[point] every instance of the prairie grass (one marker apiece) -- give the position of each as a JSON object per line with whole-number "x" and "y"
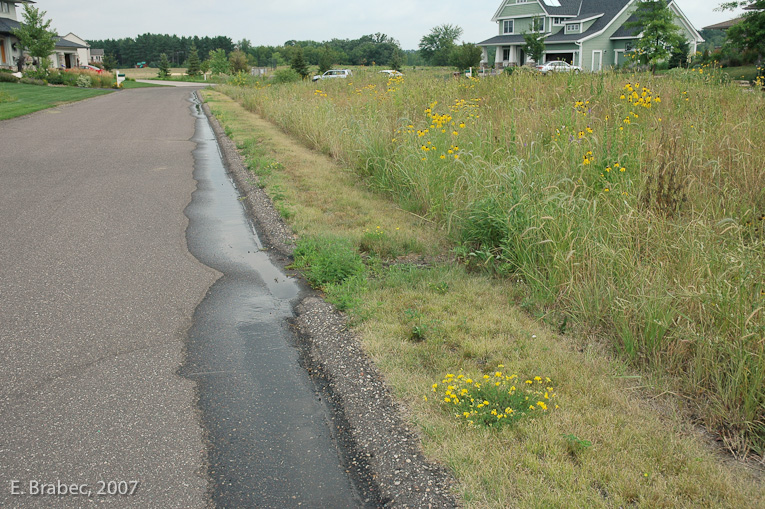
{"x": 630, "y": 206}
{"x": 620, "y": 437}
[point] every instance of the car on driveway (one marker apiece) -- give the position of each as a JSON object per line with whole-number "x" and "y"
{"x": 91, "y": 68}
{"x": 558, "y": 66}
{"x": 391, "y": 73}
{"x": 334, "y": 73}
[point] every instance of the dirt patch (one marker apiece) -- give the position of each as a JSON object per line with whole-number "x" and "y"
{"x": 384, "y": 449}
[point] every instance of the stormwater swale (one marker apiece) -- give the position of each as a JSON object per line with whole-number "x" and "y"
{"x": 270, "y": 437}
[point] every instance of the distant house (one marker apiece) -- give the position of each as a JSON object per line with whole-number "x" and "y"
{"x": 10, "y": 52}
{"x": 70, "y": 52}
{"x": 96, "y": 56}
{"x": 587, "y": 33}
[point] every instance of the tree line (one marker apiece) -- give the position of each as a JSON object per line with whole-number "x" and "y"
{"x": 378, "y": 49}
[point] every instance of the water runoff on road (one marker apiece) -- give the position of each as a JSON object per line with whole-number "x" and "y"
{"x": 269, "y": 436}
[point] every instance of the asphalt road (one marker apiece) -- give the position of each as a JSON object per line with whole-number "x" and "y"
{"x": 97, "y": 293}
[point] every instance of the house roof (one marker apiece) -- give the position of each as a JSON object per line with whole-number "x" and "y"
{"x": 7, "y": 24}
{"x": 608, "y": 9}
{"x": 503, "y": 39}
{"x": 65, "y": 43}
{"x": 96, "y": 52}
{"x": 627, "y": 33}
{"x": 724, "y": 25}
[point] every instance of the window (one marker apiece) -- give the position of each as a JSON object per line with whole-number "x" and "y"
{"x": 558, "y": 22}
{"x": 5, "y": 7}
{"x": 573, "y": 28}
{"x": 505, "y": 54}
{"x": 507, "y": 26}
{"x": 538, "y": 25}
{"x": 628, "y": 46}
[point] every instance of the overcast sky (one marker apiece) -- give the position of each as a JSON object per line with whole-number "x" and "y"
{"x": 273, "y": 22}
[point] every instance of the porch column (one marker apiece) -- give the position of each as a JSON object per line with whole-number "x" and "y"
{"x": 498, "y": 56}
{"x": 484, "y": 56}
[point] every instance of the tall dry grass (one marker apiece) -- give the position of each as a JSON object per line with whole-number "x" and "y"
{"x": 631, "y": 205}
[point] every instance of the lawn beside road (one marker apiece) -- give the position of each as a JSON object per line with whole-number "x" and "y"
{"x": 18, "y": 99}
{"x": 606, "y": 434}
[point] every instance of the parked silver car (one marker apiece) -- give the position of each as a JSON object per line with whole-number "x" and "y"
{"x": 558, "y": 66}
{"x": 333, "y": 73}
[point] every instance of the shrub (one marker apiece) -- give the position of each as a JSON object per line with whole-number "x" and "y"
{"x": 8, "y": 78}
{"x": 84, "y": 81}
{"x": 286, "y": 76}
{"x": 33, "y": 81}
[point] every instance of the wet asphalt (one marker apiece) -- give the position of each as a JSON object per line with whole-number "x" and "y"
{"x": 99, "y": 300}
{"x": 270, "y": 441}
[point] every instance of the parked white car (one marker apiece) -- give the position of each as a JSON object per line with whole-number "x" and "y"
{"x": 334, "y": 73}
{"x": 391, "y": 73}
{"x": 558, "y": 66}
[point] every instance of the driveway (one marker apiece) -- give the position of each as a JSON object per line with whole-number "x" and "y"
{"x": 98, "y": 290}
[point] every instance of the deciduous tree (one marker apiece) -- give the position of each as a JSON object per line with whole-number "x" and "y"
{"x": 660, "y": 36}
{"x": 218, "y": 62}
{"x": 436, "y": 47}
{"x": 35, "y": 36}
{"x": 465, "y": 56}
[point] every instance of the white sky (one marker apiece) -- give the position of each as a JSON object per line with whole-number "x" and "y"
{"x": 276, "y": 21}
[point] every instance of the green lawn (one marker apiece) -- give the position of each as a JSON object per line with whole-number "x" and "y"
{"x": 134, "y": 84}
{"x": 748, "y": 72}
{"x": 17, "y": 99}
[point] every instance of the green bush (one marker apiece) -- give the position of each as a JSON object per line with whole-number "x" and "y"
{"x": 84, "y": 81}
{"x": 8, "y": 78}
{"x": 286, "y": 76}
{"x": 33, "y": 81}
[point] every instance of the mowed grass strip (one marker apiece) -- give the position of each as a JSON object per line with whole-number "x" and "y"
{"x": 18, "y": 99}
{"x": 615, "y": 439}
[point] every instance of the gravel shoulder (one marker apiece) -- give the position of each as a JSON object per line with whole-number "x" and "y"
{"x": 378, "y": 443}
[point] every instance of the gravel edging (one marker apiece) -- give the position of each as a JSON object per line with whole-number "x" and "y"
{"x": 382, "y": 451}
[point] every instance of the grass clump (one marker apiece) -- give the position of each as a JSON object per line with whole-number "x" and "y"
{"x": 327, "y": 260}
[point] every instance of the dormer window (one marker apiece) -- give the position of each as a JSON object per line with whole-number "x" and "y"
{"x": 507, "y": 26}
{"x": 5, "y": 7}
{"x": 573, "y": 28}
{"x": 558, "y": 22}
{"x": 538, "y": 25}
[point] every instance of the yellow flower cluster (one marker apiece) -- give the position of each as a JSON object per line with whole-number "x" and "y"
{"x": 582, "y": 107}
{"x": 319, "y": 93}
{"x": 442, "y": 128}
{"x": 644, "y": 98}
{"x": 494, "y": 399}
{"x": 394, "y": 82}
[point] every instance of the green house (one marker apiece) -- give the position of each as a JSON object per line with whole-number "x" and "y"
{"x": 587, "y": 33}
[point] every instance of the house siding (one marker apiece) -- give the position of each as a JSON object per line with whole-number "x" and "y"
{"x": 525, "y": 9}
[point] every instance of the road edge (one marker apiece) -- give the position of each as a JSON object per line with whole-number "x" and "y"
{"x": 383, "y": 445}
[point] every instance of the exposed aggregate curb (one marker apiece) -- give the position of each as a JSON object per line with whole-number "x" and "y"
{"x": 381, "y": 451}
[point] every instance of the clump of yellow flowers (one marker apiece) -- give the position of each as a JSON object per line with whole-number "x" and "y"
{"x": 495, "y": 399}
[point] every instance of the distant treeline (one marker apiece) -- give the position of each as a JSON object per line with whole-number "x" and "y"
{"x": 367, "y": 50}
